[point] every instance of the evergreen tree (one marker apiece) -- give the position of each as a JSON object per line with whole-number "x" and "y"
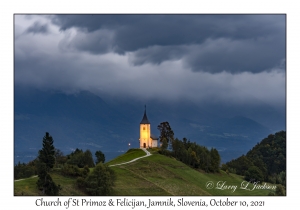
{"x": 46, "y": 161}
{"x": 47, "y": 153}
{"x": 45, "y": 182}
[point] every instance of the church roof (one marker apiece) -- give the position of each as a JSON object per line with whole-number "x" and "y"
{"x": 153, "y": 137}
{"x": 145, "y": 119}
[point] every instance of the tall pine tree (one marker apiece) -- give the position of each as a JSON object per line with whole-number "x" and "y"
{"x": 46, "y": 162}
{"x": 47, "y": 153}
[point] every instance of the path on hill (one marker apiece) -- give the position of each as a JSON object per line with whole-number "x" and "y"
{"x": 147, "y": 154}
{"x": 25, "y": 178}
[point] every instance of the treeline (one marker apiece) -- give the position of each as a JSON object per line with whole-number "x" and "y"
{"x": 192, "y": 154}
{"x": 69, "y": 164}
{"x": 23, "y": 170}
{"x": 266, "y": 161}
{"x": 77, "y": 164}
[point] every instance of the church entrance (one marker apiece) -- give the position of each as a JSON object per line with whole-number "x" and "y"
{"x": 144, "y": 145}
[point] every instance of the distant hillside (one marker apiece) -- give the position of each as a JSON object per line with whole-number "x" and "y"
{"x": 155, "y": 175}
{"x": 266, "y": 161}
{"x": 88, "y": 121}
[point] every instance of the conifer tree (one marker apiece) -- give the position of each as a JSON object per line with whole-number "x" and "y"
{"x": 46, "y": 161}
{"x": 47, "y": 153}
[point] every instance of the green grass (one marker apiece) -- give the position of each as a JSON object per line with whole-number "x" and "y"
{"x": 68, "y": 185}
{"x": 129, "y": 155}
{"x": 155, "y": 175}
{"x": 28, "y": 187}
{"x": 128, "y": 183}
{"x": 161, "y": 175}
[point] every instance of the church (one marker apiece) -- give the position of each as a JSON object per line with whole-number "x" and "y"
{"x": 147, "y": 140}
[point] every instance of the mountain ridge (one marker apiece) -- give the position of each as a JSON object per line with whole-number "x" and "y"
{"x": 86, "y": 119}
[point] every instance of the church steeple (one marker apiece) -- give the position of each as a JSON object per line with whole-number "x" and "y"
{"x": 146, "y": 139}
{"x": 145, "y": 119}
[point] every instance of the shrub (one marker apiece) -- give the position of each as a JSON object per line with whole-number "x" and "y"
{"x": 100, "y": 181}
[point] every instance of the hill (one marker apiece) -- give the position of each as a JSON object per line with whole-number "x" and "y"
{"x": 266, "y": 161}
{"x": 88, "y": 121}
{"x": 155, "y": 175}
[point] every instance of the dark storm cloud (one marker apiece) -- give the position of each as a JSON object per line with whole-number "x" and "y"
{"x": 96, "y": 42}
{"x": 222, "y": 66}
{"x": 157, "y": 54}
{"x": 37, "y": 27}
{"x": 212, "y": 43}
{"x": 236, "y": 55}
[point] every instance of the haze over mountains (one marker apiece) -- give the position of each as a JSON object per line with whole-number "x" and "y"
{"x": 87, "y": 121}
{"x": 219, "y": 80}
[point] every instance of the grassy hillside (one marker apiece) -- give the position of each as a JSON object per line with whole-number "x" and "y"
{"x": 156, "y": 175}
{"x": 160, "y": 175}
{"x": 28, "y": 186}
{"x": 129, "y": 155}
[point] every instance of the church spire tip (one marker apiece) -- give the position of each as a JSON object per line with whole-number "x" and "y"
{"x": 145, "y": 119}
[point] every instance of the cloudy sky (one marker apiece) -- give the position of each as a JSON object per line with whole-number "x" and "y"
{"x": 236, "y": 58}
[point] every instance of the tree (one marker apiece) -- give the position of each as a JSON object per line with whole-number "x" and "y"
{"x": 195, "y": 161}
{"x": 81, "y": 159}
{"x": 88, "y": 159}
{"x": 46, "y": 161}
{"x": 45, "y": 182}
{"x": 164, "y": 144}
{"x": 59, "y": 157}
{"x": 22, "y": 170}
{"x": 166, "y": 133}
{"x": 280, "y": 191}
{"x": 47, "y": 153}
{"x": 215, "y": 159}
{"x": 100, "y": 181}
{"x": 254, "y": 174}
{"x": 100, "y": 157}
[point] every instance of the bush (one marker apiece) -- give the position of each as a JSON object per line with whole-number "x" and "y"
{"x": 80, "y": 183}
{"x": 80, "y": 158}
{"x": 71, "y": 170}
{"x": 100, "y": 181}
{"x": 85, "y": 171}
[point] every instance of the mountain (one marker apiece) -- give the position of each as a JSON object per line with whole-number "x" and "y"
{"x": 88, "y": 121}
